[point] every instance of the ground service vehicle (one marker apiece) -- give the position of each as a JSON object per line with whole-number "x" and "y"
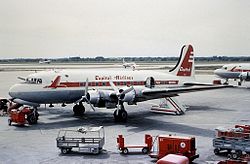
{"x": 239, "y": 131}
{"x": 85, "y": 139}
{"x": 22, "y": 116}
{"x": 169, "y": 144}
{"x": 235, "y": 147}
{"x": 230, "y": 161}
{"x": 144, "y": 148}
{"x": 234, "y": 141}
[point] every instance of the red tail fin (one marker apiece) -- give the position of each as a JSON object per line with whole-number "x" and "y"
{"x": 55, "y": 83}
{"x": 185, "y": 65}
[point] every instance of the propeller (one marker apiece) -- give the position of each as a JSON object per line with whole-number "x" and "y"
{"x": 84, "y": 98}
{"x": 120, "y": 93}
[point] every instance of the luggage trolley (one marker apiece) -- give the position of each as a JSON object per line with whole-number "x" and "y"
{"x": 85, "y": 139}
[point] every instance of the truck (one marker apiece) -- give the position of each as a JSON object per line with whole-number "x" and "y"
{"x": 22, "y": 115}
{"x": 235, "y": 148}
{"x": 85, "y": 139}
{"x": 235, "y": 142}
{"x": 239, "y": 131}
{"x": 170, "y": 144}
{"x": 231, "y": 161}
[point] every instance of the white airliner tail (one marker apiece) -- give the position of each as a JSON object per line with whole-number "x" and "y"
{"x": 185, "y": 65}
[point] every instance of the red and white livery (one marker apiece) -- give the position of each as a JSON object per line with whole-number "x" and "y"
{"x": 107, "y": 88}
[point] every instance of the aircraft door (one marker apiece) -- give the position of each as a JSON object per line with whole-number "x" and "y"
{"x": 150, "y": 82}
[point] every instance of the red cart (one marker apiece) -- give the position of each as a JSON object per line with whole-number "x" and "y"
{"x": 22, "y": 116}
{"x": 145, "y": 148}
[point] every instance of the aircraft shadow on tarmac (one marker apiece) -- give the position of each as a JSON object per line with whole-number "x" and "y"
{"x": 140, "y": 121}
{"x": 206, "y": 108}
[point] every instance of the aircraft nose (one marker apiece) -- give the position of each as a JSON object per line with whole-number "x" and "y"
{"x": 218, "y": 72}
{"x": 13, "y": 91}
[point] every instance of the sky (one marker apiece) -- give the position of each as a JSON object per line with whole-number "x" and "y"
{"x": 117, "y": 28}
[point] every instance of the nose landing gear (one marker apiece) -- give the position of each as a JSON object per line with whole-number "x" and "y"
{"x": 120, "y": 114}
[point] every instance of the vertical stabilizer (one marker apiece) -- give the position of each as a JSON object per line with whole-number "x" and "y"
{"x": 185, "y": 65}
{"x": 55, "y": 83}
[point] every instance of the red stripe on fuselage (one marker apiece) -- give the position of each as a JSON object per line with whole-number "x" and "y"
{"x": 117, "y": 83}
{"x": 240, "y": 70}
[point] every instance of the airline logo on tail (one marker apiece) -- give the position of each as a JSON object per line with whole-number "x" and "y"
{"x": 186, "y": 66}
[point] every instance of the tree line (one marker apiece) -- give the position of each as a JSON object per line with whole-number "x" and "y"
{"x": 102, "y": 59}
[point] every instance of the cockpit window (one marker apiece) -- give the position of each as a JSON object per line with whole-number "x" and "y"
{"x": 34, "y": 80}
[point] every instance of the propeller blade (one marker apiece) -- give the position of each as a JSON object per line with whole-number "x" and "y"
{"x": 128, "y": 90}
{"x": 92, "y": 107}
{"x": 114, "y": 87}
{"x": 86, "y": 86}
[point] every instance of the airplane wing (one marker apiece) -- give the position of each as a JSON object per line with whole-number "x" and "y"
{"x": 175, "y": 91}
{"x": 197, "y": 84}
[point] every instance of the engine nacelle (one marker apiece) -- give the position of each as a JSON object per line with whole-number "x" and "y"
{"x": 93, "y": 97}
{"x": 101, "y": 99}
{"x": 245, "y": 76}
{"x": 129, "y": 97}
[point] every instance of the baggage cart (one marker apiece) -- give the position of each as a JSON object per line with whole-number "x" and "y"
{"x": 144, "y": 148}
{"x": 85, "y": 140}
{"x": 234, "y": 147}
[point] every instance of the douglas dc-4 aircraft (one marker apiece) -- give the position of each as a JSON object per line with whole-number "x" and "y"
{"x": 240, "y": 71}
{"x": 107, "y": 88}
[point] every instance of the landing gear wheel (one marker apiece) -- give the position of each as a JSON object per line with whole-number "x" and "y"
{"x": 120, "y": 115}
{"x": 123, "y": 115}
{"x": 125, "y": 151}
{"x": 116, "y": 116}
{"x": 79, "y": 110}
{"x": 226, "y": 82}
{"x": 239, "y": 83}
{"x": 32, "y": 118}
{"x": 145, "y": 150}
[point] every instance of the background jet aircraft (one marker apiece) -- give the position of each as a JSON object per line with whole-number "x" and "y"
{"x": 128, "y": 64}
{"x": 45, "y": 61}
{"x": 240, "y": 71}
{"x": 108, "y": 89}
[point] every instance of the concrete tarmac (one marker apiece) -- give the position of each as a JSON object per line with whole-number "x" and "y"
{"x": 207, "y": 110}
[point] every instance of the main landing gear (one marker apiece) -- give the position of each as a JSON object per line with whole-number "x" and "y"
{"x": 226, "y": 82}
{"x": 120, "y": 114}
{"x": 79, "y": 109}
